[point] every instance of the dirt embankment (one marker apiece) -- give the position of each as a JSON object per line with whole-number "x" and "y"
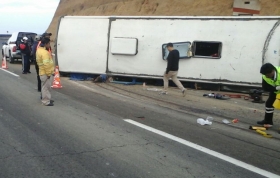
{"x": 153, "y": 7}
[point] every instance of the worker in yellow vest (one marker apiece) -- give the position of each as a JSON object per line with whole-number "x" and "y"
{"x": 270, "y": 83}
{"x": 36, "y": 45}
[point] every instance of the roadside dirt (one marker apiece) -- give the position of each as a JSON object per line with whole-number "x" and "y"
{"x": 152, "y": 8}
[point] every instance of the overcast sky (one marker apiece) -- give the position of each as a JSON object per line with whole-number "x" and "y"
{"x": 26, "y": 15}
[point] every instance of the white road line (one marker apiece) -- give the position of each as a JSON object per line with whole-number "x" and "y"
{"x": 9, "y": 72}
{"x": 206, "y": 150}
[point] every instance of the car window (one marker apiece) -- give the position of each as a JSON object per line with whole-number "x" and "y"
{"x": 29, "y": 35}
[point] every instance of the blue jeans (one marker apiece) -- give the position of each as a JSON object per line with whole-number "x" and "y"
{"x": 25, "y": 63}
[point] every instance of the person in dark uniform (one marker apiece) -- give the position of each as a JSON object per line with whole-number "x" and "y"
{"x": 270, "y": 83}
{"x": 34, "y": 49}
{"x": 26, "y": 54}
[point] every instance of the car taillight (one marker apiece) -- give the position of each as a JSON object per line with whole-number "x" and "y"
{"x": 12, "y": 42}
{"x": 14, "y": 49}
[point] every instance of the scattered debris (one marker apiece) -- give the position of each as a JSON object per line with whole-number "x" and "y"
{"x": 128, "y": 83}
{"x": 153, "y": 89}
{"x": 261, "y": 130}
{"x": 210, "y": 95}
{"x": 226, "y": 121}
{"x": 217, "y": 96}
{"x": 256, "y": 95}
{"x": 264, "y": 134}
{"x": 257, "y": 128}
{"x": 235, "y": 121}
{"x": 141, "y": 117}
{"x": 203, "y": 121}
{"x": 209, "y": 118}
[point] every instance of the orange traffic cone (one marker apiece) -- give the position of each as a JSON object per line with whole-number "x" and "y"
{"x": 4, "y": 63}
{"x": 56, "y": 80}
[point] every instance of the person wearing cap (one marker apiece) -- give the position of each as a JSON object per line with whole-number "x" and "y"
{"x": 34, "y": 49}
{"x": 46, "y": 70}
{"x": 46, "y": 35}
{"x": 26, "y": 53}
{"x": 270, "y": 83}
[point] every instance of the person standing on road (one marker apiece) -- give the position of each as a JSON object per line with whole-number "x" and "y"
{"x": 36, "y": 45}
{"x": 34, "y": 49}
{"x": 270, "y": 83}
{"x": 46, "y": 70}
{"x": 26, "y": 53}
{"x": 172, "y": 69}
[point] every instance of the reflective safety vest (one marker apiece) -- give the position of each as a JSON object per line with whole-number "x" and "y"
{"x": 44, "y": 61}
{"x": 272, "y": 82}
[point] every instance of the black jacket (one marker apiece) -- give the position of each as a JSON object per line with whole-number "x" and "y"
{"x": 173, "y": 61}
{"x": 34, "y": 48}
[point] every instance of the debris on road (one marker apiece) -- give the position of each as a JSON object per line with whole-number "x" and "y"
{"x": 209, "y": 118}
{"x": 226, "y": 121}
{"x": 203, "y": 121}
{"x": 141, "y": 117}
{"x": 128, "y": 83}
{"x": 235, "y": 121}
{"x": 264, "y": 134}
{"x": 217, "y": 96}
{"x": 257, "y": 128}
{"x": 153, "y": 89}
{"x": 256, "y": 95}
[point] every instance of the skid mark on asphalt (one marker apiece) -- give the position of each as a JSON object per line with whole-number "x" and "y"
{"x": 205, "y": 150}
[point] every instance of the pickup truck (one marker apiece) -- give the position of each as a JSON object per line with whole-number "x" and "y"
{"x": 11, "y": 49}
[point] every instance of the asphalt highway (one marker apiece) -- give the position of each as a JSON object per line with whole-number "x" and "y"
{"x": 94, "y": 132}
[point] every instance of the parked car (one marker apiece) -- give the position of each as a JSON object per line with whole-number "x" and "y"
{"x": 11, "y": 48}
